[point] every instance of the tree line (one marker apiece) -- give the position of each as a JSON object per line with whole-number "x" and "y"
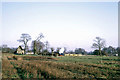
{"x": 42, "y": 48}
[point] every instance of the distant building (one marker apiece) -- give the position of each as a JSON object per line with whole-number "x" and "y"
{"x": 30, "y": 53}
{"x": 72, "y": 54}
{"x": 61, "y": 52}
{"x": 20, "y": 50}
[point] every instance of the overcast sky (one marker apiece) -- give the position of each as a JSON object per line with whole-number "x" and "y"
{"x": 66, "y": 24}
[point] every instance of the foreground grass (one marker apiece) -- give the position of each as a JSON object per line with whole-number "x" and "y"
{"x": 61, "y": 67}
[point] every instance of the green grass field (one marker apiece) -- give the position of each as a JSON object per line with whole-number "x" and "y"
{"x": 32, "y": 66}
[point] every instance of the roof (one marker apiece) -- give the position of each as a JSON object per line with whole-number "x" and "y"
{"x": 20, "y": 48}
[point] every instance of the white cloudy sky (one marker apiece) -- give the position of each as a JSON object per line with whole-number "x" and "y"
{"x": 64, "y": 24}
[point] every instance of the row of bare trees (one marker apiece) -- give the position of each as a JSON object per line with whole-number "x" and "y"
{"x": 39, "y": 47}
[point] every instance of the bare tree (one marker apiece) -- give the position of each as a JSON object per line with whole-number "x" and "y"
{"x": 65, "y": 49}
{"x": 46, "y": 45}
{"x": 99, "y": 43}
{"x": 37, "y": 44}
{"x": 34, "y": 46}
{"x": 52, "y": 50}
{"x": 80, "y": 51}
{"x": 40, "y": 37}
{"x": 25, "y": 38}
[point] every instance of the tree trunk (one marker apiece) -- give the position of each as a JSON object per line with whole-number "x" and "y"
{"x": 25, "y": 48}
{"x": 99, "y": 51}
{"x": 34, "y": 47}
{"x": 52, "y": 53}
